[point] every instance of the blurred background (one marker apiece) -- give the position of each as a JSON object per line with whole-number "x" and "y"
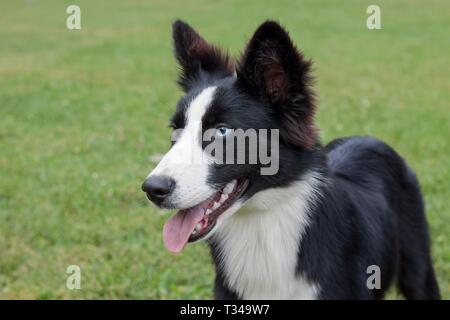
{"x": 83, "y": 112}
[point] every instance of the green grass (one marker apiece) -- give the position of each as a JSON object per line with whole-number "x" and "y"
{"x": 82, "y": 111}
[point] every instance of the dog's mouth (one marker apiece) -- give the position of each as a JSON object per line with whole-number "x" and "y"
{"x": 194, "y": 223}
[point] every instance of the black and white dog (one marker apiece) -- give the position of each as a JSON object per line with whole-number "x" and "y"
{"x": 310, "y": 231}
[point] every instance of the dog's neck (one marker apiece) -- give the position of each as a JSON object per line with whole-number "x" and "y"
{"x": 258, "y": 245}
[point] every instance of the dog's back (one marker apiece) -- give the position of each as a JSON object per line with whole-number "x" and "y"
{"x": 386, "y": 196}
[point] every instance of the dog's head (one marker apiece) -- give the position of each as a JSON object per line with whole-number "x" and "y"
{"x": 269, "y": 88}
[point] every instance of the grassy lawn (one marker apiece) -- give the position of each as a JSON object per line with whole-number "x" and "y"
{"x": 82, "y": 111}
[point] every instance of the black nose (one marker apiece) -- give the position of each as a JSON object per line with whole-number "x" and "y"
{"x": 158, "y": 188}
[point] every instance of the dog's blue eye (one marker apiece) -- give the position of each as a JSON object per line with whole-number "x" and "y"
{"x": 222, "y": 131}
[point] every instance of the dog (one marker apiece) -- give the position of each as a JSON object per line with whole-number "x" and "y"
{"x": 317, "y": 227}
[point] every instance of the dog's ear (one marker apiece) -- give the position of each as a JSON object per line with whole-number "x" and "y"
{"x": 197, "y": 58}
{"x": 271, "y": 67}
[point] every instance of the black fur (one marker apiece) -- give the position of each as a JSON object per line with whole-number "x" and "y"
{"x": 198, "y": 59}
{"x": 370, "y": 211}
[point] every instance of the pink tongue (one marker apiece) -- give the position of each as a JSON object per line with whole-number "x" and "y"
{"x": 178, "y": 229}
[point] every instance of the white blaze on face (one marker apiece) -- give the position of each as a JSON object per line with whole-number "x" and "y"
{"x": 186, "y": 163}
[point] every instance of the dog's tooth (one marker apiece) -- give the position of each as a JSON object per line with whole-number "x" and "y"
{"x": 208, "y": 211}
{"x": 198, "y": 226}
{"x": 223, "y": 197}
{"x": 229, "y": 187}
{"x": 215, "y": 205}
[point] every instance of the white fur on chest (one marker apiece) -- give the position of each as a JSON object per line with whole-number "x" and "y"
{"x": 260, "y": 243}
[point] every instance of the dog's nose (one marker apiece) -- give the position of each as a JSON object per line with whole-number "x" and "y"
{"x": 158, "y": 188}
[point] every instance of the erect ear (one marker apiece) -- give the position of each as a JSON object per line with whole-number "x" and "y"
{"x": 271, "y": 67}
{"x": 197, "y": 57}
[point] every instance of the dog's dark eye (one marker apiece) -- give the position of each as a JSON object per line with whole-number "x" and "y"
{"x": 222, "y": 131}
